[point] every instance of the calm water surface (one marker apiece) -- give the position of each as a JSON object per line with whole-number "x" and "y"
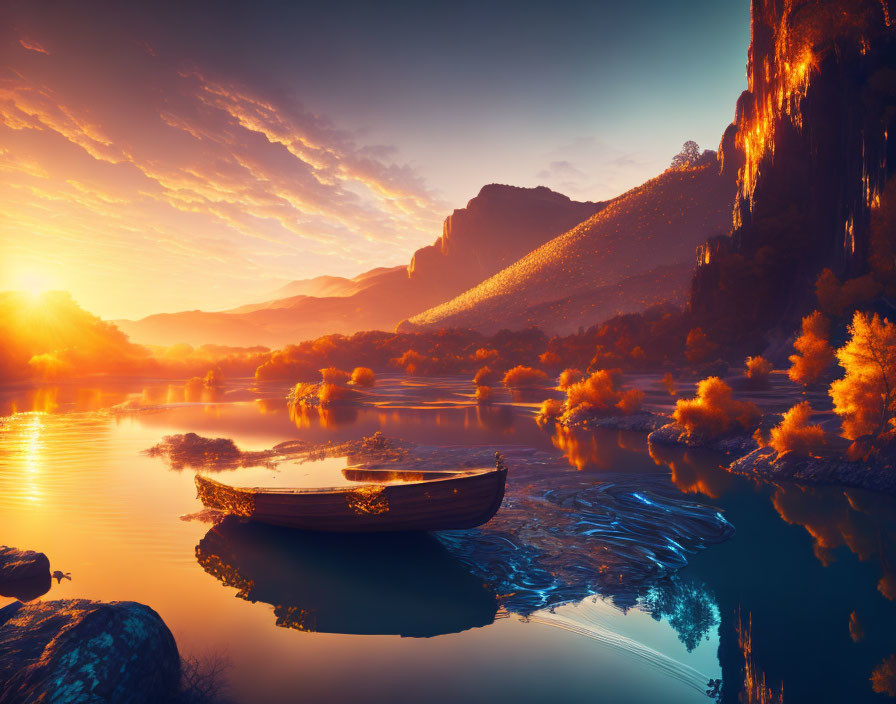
{"x": 798, "y": 600}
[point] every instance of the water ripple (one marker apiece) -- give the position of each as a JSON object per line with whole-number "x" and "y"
{"x": 561, "y": 537}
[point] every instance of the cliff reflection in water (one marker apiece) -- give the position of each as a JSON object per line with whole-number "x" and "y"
{"x": 401, "y": 584}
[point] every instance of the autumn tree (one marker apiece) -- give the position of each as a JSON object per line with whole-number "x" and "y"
{"x": 865, "y": 398}
{"x": 814, "y": 352}
{"x": 688, "y": 156}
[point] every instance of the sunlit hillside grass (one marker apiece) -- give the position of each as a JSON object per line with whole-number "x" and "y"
{"x": 637, "y": 251}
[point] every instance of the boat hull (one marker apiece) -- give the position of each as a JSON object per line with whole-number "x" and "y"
{"x": 454, "y": 503}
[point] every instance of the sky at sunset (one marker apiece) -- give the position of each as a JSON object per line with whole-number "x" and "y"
{"x": 168, "y": 156}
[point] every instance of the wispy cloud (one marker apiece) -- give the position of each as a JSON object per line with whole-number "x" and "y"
{"x": 174, "y": 185}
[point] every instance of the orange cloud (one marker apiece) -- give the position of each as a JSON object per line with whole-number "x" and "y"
{"x": 216, "y": 188}
{"x": 33, "y": 45}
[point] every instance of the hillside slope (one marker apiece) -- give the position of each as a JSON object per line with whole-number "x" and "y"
{"x": 637, "y": 251}
{"x": 497, "y": 227}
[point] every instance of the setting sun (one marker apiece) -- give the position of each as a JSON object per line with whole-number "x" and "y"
{"x": 33, "y": 282}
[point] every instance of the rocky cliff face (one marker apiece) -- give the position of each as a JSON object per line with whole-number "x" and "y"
{"x": 500, "y": 225}
{"x": 811, "y": 149}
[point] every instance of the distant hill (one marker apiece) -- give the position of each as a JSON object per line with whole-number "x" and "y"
{"x": 319, "y": 287}
{"x": 326, "y": 286}
{"x": 637, "y": 251}
{"x": 497, "y": 227}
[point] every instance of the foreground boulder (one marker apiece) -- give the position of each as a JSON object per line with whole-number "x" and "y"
{"x": 86, "y": 651}
{"x": 24, "y": 574}
{"x": 20, "y": 565}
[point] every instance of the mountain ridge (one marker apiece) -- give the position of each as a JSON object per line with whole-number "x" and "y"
{"x": 498, "y": 226}
{"x": 656, "y": 226}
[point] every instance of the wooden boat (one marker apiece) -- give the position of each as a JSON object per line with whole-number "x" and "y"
{"x": 387, "y": 500}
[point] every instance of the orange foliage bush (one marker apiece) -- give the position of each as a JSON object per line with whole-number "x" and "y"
{"x": 332, "y": 375}
{"x": 521, "y": 377}
{"x": 600, "y": 393}
{"x": 814, "y": 352}
{"x": 758, "y": 368}
{"x": 630, "y": 401}
{"x": 836, "y": 298}
{"x": 364, "y": 377}
{"x": 551, "y": 409}
{"x": 714, "y": 411}
{"x": 483, "y": 394}
{"x": 486, "y": 377}
{"x": 326, "y": 393}
{"x": 568, "y": 377}
{"x": 483, "y": 354}
{"x": 865, "y": 398}
{"x": 794, "y": 434}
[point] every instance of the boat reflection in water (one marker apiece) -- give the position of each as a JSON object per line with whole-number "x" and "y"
{"x": 403, "y": 584}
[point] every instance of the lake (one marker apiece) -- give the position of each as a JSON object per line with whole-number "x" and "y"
{"x": 614, "y": 571}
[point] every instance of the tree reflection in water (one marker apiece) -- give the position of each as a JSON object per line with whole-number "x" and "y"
{"x": 688, "y": 606}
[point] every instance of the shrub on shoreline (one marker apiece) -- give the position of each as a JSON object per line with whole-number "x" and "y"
{"x": 715, "y": 412}
{"x": 522, "y": 377}
{"x": 363, "y": 377}
{"x": 795, "y": 434}
{"x": 599, "y": 394}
